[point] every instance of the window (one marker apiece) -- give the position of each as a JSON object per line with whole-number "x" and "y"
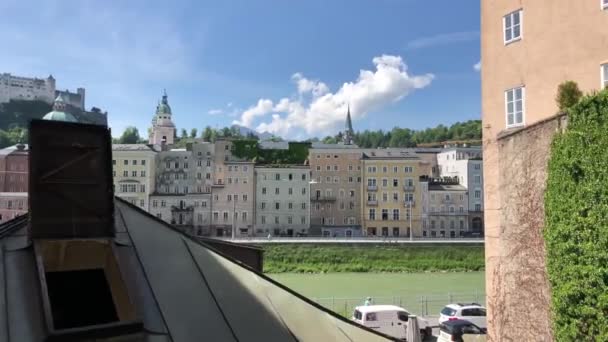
{"x": 477, "y": 193}
{"x": 350, "y": 179}
{"x": 351, "y": 193}
{"x": 289, "y": 220}
{"x": 263, "y": 191}
{"x": 461, "y": 224}
{"x": 263, "y": 205}
{"x": 604, "y": 4}
{"x": 384, "y": 169}
{"x": 133, "y": 173}
{"x": 336, "y": 168}
{"x": 154, "y": 203}
{"x": 477, "y": 179}
{"x": 384, "y": 182}
{"x": 125, "y": 173}
{"x": 336, "y": 179}
{"x": 142, "y": 173}
{"x": 395, "y": 197}
{"x": 303, "y": 206}
{"x": 244, "y": 198}
{"x": 126, "y": 162}
{"x": 263, "y": 219}
{"x": 229, "y": 198}
{"x": 461, "y": 209}
{"x": 605, "y": 66}
{"x": 290, "y": 191}
{"x": 350, "y": 167}
{"x": 384, "y": 197}
{"x": 277, "y": 206}
{"x": 408, "y": 169}
{"x": 396, "y": 214}
{"x": 395, "y": 169}
{"x": 372, "y": 214}
{"x": 303, "y": 191}
{"x": 290, "y": 206}
{"x": 113, "y": 174}
{"x": 384, "y": 214}
{"x": 477, "y": 167}
{"x": 395, "y": 183}
{"x": 225, "y": 216}
{"x": 302, "y": 219}
{"x": 244, "y": 216}
{"x": 512, "y": 26}
{"x": 303, "y": 176}
{"x": 477, "y": 207}
{"x": 276, "y": 220}
{"x": 113, "y": 161}
{"x": 276, "y": 191}
{"x": 277, "y": 176}
{"x": 514, "y": 101}
{"x": 328, "y": 167}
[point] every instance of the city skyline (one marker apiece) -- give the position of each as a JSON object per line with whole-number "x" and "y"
{"x": 260, "y": 65}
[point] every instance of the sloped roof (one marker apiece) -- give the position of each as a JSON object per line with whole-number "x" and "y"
{"x": 183, "y": 290}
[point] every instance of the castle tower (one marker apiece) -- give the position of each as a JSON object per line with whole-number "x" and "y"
{"x": 349, "y": 134}
{"x": 163, "y": 129}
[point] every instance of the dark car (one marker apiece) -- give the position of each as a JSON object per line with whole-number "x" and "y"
{"x": 461, "y": 330}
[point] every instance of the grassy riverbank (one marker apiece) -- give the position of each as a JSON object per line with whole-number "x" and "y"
{"x": 307, "y": 258}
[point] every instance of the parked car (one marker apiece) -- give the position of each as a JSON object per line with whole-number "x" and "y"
{"x": 389, "y": 319}
{"x": 472, "y": 312}
{"x": 461, "y": 330}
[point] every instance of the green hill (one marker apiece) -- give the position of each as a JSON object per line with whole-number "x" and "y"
{"x": 15, "y": 116}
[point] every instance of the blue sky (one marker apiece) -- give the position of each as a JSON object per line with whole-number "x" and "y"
{"x": 290, "y": 67}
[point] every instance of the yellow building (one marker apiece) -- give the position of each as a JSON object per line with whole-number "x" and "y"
{"x": 391, "y": 199}
{"x": 133, "y": 169}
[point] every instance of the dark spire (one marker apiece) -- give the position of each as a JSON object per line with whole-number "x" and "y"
{"x": 165, "y": 96}
{"x": 348, "y": 132}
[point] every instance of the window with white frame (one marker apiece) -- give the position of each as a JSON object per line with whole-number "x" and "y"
{"x": 605, "y": 66}
{"x": 514, "y": 106}
{"x": 512, "y": 26}
{"x": 604, "y": 4}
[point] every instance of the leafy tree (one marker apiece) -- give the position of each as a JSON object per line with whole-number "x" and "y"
{"x": 568, "y": 95}
{"x": 226, "y": 132}
{"x": 193, "y": 133}
{"x": 184, "y": 134}
{"x": 130, "y": 136}
{"x": 209, "y": 134}
{"x": 576, "y": 225}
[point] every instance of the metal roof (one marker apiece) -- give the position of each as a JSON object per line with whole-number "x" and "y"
{"x": 183, "y": 290}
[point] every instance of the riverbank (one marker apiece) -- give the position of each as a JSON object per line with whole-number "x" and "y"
{"x": 307, "y": 258}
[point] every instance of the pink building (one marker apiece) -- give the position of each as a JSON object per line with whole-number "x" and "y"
{"x": 12, "y": 204}
{"x": 13, "y": 181}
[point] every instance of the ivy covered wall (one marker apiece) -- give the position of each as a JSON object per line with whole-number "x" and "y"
{"x": 576, "y": 223}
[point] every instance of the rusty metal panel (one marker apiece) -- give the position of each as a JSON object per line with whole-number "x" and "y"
{"x": 70, "y": 192}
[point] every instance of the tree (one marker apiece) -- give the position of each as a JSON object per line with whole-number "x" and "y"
{"x": 209, "y": 134}
{"x": 129, "y": 136}
{"x": 193, "y": 133}
{"x": 184, "y": 134}
{"x": 226, "y": 132}
{"x": 568, "y": 95}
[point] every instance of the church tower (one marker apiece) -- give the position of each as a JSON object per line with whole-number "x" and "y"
{"x": 349, "y": 135}
{"x": 163, "y": 129}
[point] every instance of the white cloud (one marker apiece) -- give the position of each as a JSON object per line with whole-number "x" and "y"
{"x": 443, "y": 39}
{"x": 325, "y": 111}
{"x": 477, "y": 66}
{"x": 215, "y": 112}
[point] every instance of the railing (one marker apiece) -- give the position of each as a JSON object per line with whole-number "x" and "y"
{"x": 218, "y": 184}
{"x": 409, "y": 203}
{"x": 322, "y": 198}
{"x": 409, "y": 187}
{"x": 422, "y": 305}
{"x": 372, "y": 203}
{"x": 372, "y": 188}
{"x": 184, "y": 208}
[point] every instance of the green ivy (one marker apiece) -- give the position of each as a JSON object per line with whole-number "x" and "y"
{"x": 250, "y": 150}
{"x": 576, "y": 227}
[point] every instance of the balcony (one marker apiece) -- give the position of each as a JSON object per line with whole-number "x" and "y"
{"x": 372, "y": 203}
{"x": 372, "y": 188}
{"x": 218, "y": 184}
{"x": 411, "y": 203}
{"x": 322, "y": 198}
{"x": 409, "y": 188}
{"x": 185, "y": 208}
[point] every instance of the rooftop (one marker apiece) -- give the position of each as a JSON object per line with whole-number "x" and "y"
{"x": 446, "y": 187}
{"x": 132, "y": 147}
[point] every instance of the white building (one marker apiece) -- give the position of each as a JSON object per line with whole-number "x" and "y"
{"x": 133, "y": 169}
{"x": 466, "y": 164}
{"x": 26, "y": 88}
{"x": 282, "y": 200}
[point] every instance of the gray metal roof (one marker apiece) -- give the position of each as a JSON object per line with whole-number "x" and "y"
{"x": 182, "y": 289}
{"x": 132, "y": 147}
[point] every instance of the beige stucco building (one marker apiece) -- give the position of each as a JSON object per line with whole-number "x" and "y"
{"x": 447, "y": 209}
{"x": 528, "y": 48}
{"x": 282, "y": 200}
{"x": 335, "y": 190}
{"x": 134, "y": 170}
{"x": 390, "y": 196}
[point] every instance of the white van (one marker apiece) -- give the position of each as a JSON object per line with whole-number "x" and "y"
{"x": 388, "y": 319}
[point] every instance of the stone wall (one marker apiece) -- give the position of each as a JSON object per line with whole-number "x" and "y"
{"x": 519, "y": 294}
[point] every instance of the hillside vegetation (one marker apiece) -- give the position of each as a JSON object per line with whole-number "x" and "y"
{"x": 309, "y": 258}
